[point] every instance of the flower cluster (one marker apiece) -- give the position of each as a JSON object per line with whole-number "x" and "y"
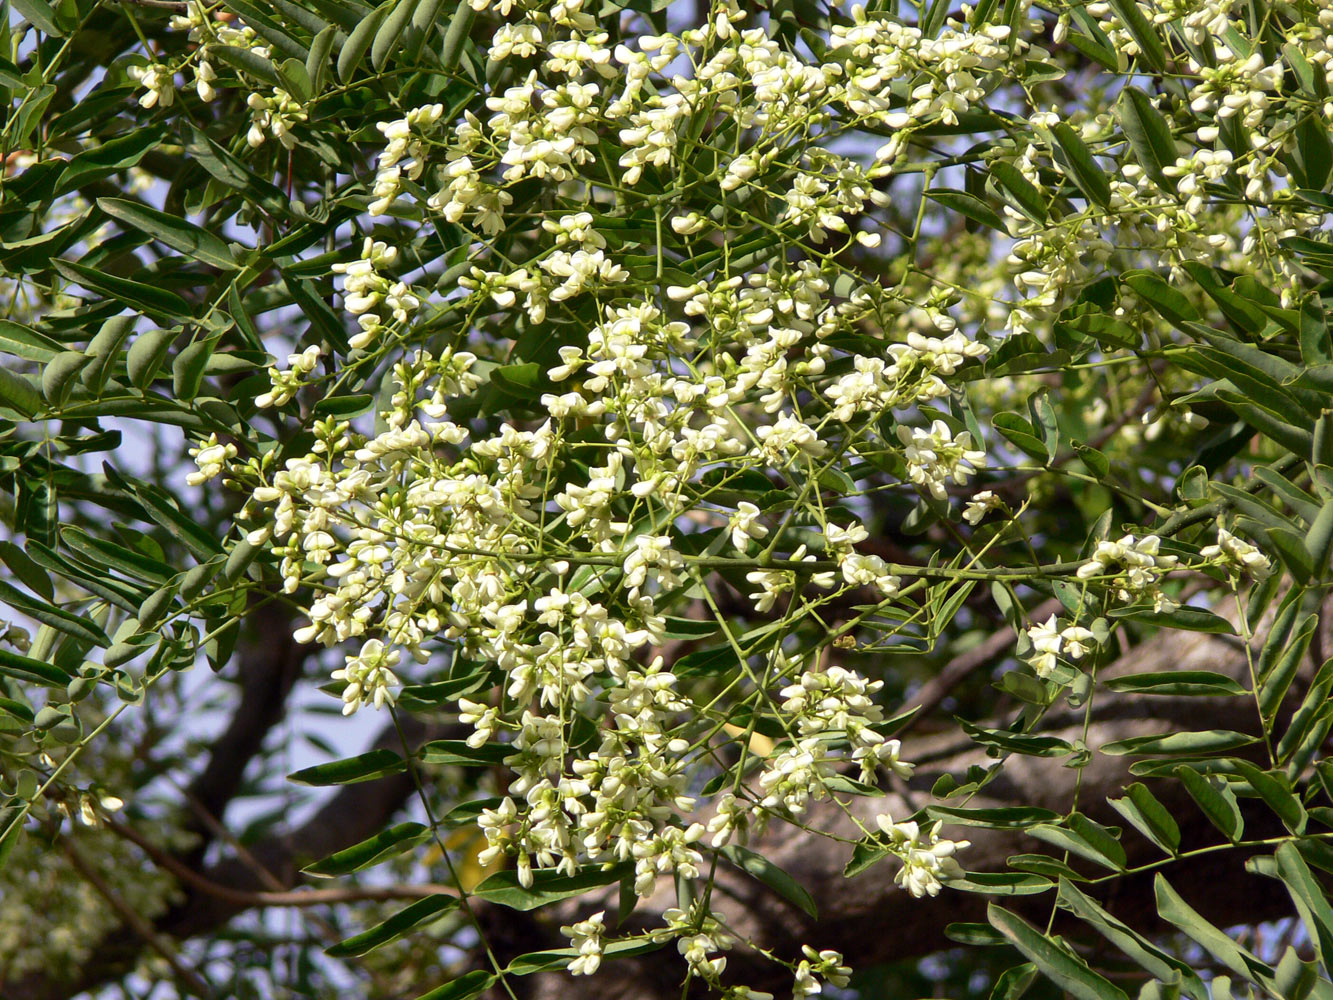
{"x": 927, "y": 860}
{"x": 1051, "y": 640}
{"x": 1135, "y": 566}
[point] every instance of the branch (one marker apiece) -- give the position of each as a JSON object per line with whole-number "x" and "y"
{"x": 872, "y": 921}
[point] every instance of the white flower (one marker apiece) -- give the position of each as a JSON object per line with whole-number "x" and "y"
{"x": 981, "y": 504}
{"x": 210, "y": 456}
{"x": 158, "y": 83}
{"x": 586, "y": 936}
{"x": 1236, "y": 555}
{"x": 928, "y": 861}
{"x": 743, "y": 525}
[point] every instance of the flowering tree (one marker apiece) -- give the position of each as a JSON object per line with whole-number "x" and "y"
{"x": 775, "y": 473}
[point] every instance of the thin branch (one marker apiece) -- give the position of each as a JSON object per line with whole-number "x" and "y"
{"x": 296, "y": 898}
{"x": 176, "y": 5}
{"x": 194, "y": 983}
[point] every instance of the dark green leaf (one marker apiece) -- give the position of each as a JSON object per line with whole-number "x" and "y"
{"x": 23, "y": 342}
{"x": 372, "y": 764}
{"x": 172, "y": 230}
{"x": 1023, "y": 193}
{"x": 1000, "y": 818}
{"x": 1185, "y": 617}
{"x": 136, "y": 294}
{"x": 403, "y": 922}
{"x": 1147, "y": 815}
{"x": 384, "y": 845}
{"x": 1178, "y": 682}
{"x": 1066, "y": 970}
{"x": 1148, "y": 134}
{"x": 469, "y": 984}
{"x": 354, "y": 49}
{"x": 759, "y": 867}
{"x": 1080, "y": 165}
{"x": 1143, "y": 32}
{"x": 1197, "y": 744}
{"x": 548, "y": 885}
{"x": 1215, "y": 798}
{"x": 968, "y": 206}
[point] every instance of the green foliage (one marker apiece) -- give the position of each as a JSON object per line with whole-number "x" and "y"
{"x": 641, "y": 428}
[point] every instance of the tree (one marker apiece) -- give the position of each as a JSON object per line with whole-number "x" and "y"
{"x": 798, "y": 490}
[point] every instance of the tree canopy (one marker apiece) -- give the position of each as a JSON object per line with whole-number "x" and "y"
{"x": 610, "y": 498}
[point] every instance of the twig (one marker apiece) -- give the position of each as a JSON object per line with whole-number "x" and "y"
{"x": 960, "y": 667}
{"x": 177, "y": 5}
{"x": 295, "y": 898}
{"x": 194, "y": 982}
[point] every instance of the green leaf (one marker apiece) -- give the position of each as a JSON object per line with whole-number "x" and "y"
{"x": 363, "y": 767}
{"x": 145, "y": 298}
{"x": 295, "y": 80}
{"x": 172, "y": 230}
{"x": 1185, "y": 617}
{"x": 26, "y": 571}
{"x": 343, "y": 406}
{"x": 1178, "y": 682}
{"x": 974, "y": 935}
{"x": 1023, "y": 193}
{"x": 1197, "y": 744}
{"x": 1002, "y": 883}
{"x": 1148, "y": 134}
{"x": 387, "y": 35}
{"x": 1276, "y": 793}
{"x": 26, "y": 668}
{"x": 112, "y": 156}
{"x": 1176, "y": 911}
{"x": 1169, "y": 302}
{"x": 718, "y": 660}
{"x": 18, "y": 394}
{"x": 1066, "y": 970}
{"x": 1020, "y": 743}
{"x": 317, "y": 61}
{"x": 354, "y": 49}
{"x": 759, "y": 867}
{"x": 469, "y": 984}
{"x": 1136, "y": 947}
{"x": 403, "y": 922}
{"x": 1080, "y": 166}
{"x": 39, "y": 14}
{"x": 386, "y": 844}
{"x": 247, "y": 62}
{"x": 1147, "y": 815}
{"x": 457, "y": 752}
{"x": 525, "y": 381}
{"x": 1215, "y": 798}
{"x": 1310, "y": 897}
{"x": 559, "y": 958}
{"x": 49, "y": 614}
{"x": 1076, "y": 843}
{"x": 1143, "y": 33}
{"x": 548, "y": 885}
{"x": 103, "y": 350}
{"x": 456, "y": 38}
{"x": 59, "y": 374}
{"x": 968, "y": 206}
{"x": 1000, "y": 818}
{"x": 146, "y": 355}
{"x": 187, "y": 370}
{"x": 23, "y": 342}
{"x": 1021, "y": 434}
